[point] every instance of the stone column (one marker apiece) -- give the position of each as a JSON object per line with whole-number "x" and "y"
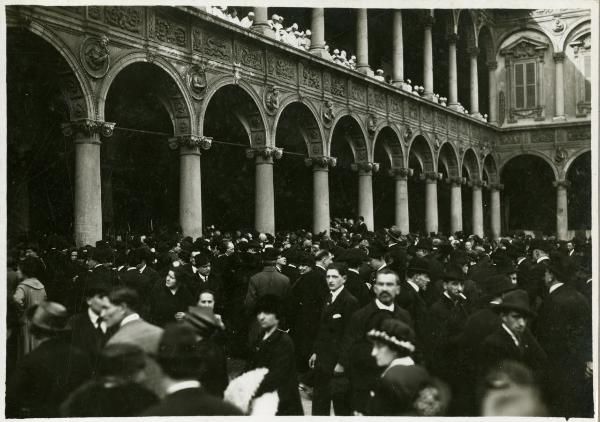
{"x": 559, "y": 90}
{"x": 362, "y": 42}
{"x": 321, "y": 216}
{"x": 452, "y": 73}
{"x": 264, "y": 194}
{"x": 107, "y": 161}
{"x": 260, "y": 24}
{"x": 493, "y": 114}
{"x": 456, "y": 223}
{"x": 401, "y": 201}
{"x": 473, "y": 53}
{"x": 495, "y": 209}
{"x": 431, "y": 207}
{"x": 477, "y": 207}
{"x": 562, "y": 216}
{"x": 365, "y": 191}
{"x": 86, "y": 134}
{"x": 428, "y": 55}
{"x": 398, "y": 50}
{"x": 317, "y": 38}
{"x": 190, "y": 181}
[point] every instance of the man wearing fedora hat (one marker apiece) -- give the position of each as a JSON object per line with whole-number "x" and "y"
{"x": 564, "y": 329}
{"x": 411, "y": 292}
{"x": 45, "y": 377}
{"x": 267, "y": 282}
{"x": 513, "y": 340}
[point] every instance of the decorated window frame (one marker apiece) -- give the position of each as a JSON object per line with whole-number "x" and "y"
{"x": 582, "y": 58}
{"x": 523, "y": 56}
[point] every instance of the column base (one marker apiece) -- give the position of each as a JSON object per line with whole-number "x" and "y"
{"x": 476, "y": 115}
{"x": 559, "y": 118}
{"x": 428, "y": 95}
{"x": 398, "y": 83}
{"x": 320, "y": 52}
{"x": 263, "y": 29}
{"x": 454, "y": 106}
{"x": 365, "y": 70}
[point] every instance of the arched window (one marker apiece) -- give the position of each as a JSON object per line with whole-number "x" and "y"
{"x": 582, "y": 58}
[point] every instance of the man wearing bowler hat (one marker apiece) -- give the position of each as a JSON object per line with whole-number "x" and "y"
{"x": 46, "y": 376}
{"x": 411, "y": 292}
{"x": 513, "y": 340}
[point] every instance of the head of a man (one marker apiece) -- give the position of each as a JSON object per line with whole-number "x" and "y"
{"x": 323, "y": 258}
{"x": 207, "y": 299}
{"x": 419, "y": 277}
{"x": 120, "y": 303}
{"x": 386, "y": 286}
{"x": 454, "y": 288}
{"x": 336, "y": 275}
{"x": 515, "y": 321}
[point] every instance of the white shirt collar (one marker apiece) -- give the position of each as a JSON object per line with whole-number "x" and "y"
{"x": 520, "y": 260}
{"x": 413, "y": 285}
{"x": 384, "y": 307}
{"x": 94, "y": 318}
{"x": 336, "y": 293}
{"x": 514, "y": 338}
{"x": 554, "y": 287}
{"x": 183, "y": 385}
{"x": 143, "y": 268}
{"x": 382, "y": 267}
{"x": 129, "y": 318}
{"x": 405, "y": 361}
{"x": 320, "y": 266}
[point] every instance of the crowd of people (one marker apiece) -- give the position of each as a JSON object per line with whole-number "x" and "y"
{"x": 367, "y": 323}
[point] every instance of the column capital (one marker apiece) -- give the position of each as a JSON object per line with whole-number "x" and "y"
{"x": 492, "y": 64}
{"x": 452, "y": 38}
{"x": 321, "y": 162}
{"x": 496, "y": 186}
{"x": 365, "y": 167}
{"x": 431, "y": 176}
{"x": 558, "y": 57}
{"x": 193, "y": 142}
{"x": 265, "y": 153}
{"x": 401, "y": 172}
{"x": 427, "y": 19}
{"x": 86, "y": 128}
{"x": 477, "y": 183}
{"x": 564, "y": 184}
{"x": 456, "y": 181}
{"x": 474, "y": 51}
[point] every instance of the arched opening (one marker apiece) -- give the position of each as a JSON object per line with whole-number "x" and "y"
{"x": 486, "y": 55}
{"x": 464, "y": 44}
{"x": 471, "y": 170}
{"x": 579, "y": 193}
{"x": 412, "y": 29}
{"x": 448, "y": 166}
{"x": 442, "y": 28}
{"x": 292, "y": 178}
{"x": 347, "y": 140}
{"x": 140, "y": 173}
{"x": 40, "y": 160}
{"x": 228, "y": 177}
{"x": 388, "y": 154}
{"x": 529, "y": 201}
{"x": 420, "y": 160}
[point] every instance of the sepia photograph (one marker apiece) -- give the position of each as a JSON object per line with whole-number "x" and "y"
{"x": 364, "y": 209}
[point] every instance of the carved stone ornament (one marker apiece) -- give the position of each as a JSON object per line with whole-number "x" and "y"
{"x": 437, "y": 144}
{"x": 558, "y": 26}
{"x": 401, "y": 172}
{"x": 87, "y": 128}
{"x": 327, "y": 112}
{"x": 196, "y": 79}
{"x": 190, "y": 141}
{"x": 272, "y": 98}
{"x": 456, "y": 181}
{"x": 407, "y": 134}
{"x": 265, "y": 153}
{"x": 321, "y": 162}
{"x": 365, "y": 167}
{"x": 431, "y": 176}
{"x": 237, "y": 72}
{"x": 372, "y": 123}
{"x": 560, "y": 155}
{"x": 95, "y": 56}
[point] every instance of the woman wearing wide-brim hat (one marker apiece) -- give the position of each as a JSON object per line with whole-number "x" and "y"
{"x": 398, "y": 387}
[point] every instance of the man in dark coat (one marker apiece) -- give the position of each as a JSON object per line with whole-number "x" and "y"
{"x": 268, "y": 282}
{"x": 334, "y": 319}
{"x": 181, "y": 362}
{"x": 411, "y": 293}
{"x": 564, "y": 330}
{"x": 513, "y": 340}
{"x": 534, "y": 284}
{"x": 354, "y": 258}
{"x": 145, "y": 258}
{"x": 47, "y": 375}
{"x": 355, "y": 355}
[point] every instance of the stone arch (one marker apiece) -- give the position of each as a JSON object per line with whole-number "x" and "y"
{"x": 541, "y": 155}
{"x": 390, "y": 138}
{"x": 420, "y": 146}
{"x": 171, "y": 90}
{"x": 448, "y": 158}
{"x": 486, "y": 34}
{"x": 249, "y": 112}
{"x": 567, "y": 166}
{"x": 307, "y": 122}
{"x": 471, "y": 163}
{"x": 74, "y": 83}
{"x": 491, "y": 169}
{"x": 471, "y": 29}
{"x": 354, "y": 134}
{"x": 579, "y": 28}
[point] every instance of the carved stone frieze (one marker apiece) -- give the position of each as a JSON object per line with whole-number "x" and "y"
{"x": 170, "y": 32}
{"x": 125, "y": 17}
{"x": 95, "y": 56}
{"x": 281, "y": 67}
{"x": 358, "y": 93}
{"x": 440, "y": 120}
{"x": 395, "y": 105}
{"x": 310, "y": 76}
{"x": 212, "y": 44}
{"x": 95, "y": 12}
{"x": 376, "y": 99}
{"x": 579, "y": 134}
{"x": 338, "y": 86}
{"x": 543, "y": 136}
{"x": 426, "y": 115}
{"x": 250, "y": 55}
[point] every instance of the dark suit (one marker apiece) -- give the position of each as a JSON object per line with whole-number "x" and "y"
{"x": 334, "y": 320}
{"x": 268, "y": 282}
{"x": 86, "y": 337}
{"x": 150, "y": 276}
{"x": 142, "y": 285}
{"x": 163, "y": 305}
{"x": 192, "y": 402}
{"x": 358, "y": 288}
{"x": 500, "y": 346}
{"x": 564, "y": 331}
{"x": 355, "y": 354}
{"x": 413, "y": 302}
{"x": 44, "y": 378}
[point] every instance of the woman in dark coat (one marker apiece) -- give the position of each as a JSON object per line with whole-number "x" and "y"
{"x": 169, "y": 300}
{"x": 274, "y": 350}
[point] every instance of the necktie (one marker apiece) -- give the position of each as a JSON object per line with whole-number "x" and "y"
{"x": 330, "y": 300}
{"x": 99, "y": 327}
